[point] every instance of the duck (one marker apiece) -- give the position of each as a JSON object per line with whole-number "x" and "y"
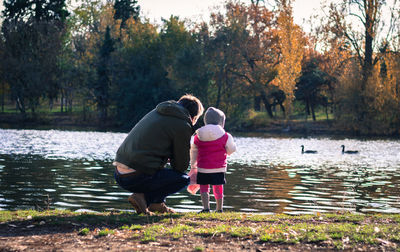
{"x": 307, "y": 151}
{"x": 349, "y": 151}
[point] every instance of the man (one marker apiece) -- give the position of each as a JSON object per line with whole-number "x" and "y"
{"x": 161, "y": 136}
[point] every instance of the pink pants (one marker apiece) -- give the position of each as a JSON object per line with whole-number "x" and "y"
{"x": 217, "y": 189}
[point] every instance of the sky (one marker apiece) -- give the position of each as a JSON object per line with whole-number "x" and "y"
{"x": 200, "y": 9}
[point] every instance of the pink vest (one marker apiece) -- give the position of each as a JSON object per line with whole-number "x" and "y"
{"x": 211, "y": 154}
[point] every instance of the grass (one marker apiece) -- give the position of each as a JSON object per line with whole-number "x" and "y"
{"x": 44, "y": 108}
{"x": 84, "y": 231}
{"x": 335, "y": 230}
{"x": 105, "y": 232}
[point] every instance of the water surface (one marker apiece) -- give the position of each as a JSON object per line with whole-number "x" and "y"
{"x": 72, "y": 170}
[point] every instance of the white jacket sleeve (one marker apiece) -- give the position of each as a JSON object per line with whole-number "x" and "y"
{"x": 230, "y": 145}
{"x": 193, "y": 156}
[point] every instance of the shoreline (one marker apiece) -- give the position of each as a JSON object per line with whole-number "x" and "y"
{"x": 53, "y": 230}
{"x": 277, "y": 128}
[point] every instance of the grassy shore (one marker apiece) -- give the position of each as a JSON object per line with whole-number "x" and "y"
{"x": 261, "y": 125}
{"x": 229, "y": 231}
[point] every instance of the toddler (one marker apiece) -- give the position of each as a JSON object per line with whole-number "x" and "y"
{"x": 208, "y": 154}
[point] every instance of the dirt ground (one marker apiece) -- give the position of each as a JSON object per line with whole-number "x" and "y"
{"x": 38, "y": 235}
{"x": 123, "y": 241}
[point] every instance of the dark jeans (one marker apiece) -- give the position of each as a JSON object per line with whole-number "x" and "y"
{"x": 155, "y": 187}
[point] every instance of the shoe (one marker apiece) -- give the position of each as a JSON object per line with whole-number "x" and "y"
{"x": 205, "y": 211}
{"x": 134, "y": 204}
{"x": 138, "y": 202}
{"x": 219, "y": 211}
{"x": 160, "y": 207}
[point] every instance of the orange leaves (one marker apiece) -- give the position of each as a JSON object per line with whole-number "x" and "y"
{"x": 272, "y": 230}
{"x": 291, "y": 43}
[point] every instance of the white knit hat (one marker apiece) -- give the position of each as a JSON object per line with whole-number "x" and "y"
{"x": 214, "y": 116}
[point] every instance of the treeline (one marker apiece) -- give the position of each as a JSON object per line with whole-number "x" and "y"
{"x": 104, "y": 56}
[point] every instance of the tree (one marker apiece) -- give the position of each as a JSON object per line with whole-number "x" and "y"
{"x": 309, "y": 86}
{"x": 191, "y": 68}
{"x": 248, "y": 49}
{"x": 103, "y": 84}
{"x": 2, "y": 80}
{"x": 344, "y": 20}
{"x": 291, "y": 44}
{"x": 93, "y": 42}
{"x": 174, "y": 38}
{"x": 140, "y": 79}
{"x": 32, "y": 32}
{"x": 125, "y": 9}
{"x": 35, "y": 11}
{"x": 30, "y": 62}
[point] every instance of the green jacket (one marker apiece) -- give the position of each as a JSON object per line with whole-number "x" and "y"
{"x": 164, "y": 133}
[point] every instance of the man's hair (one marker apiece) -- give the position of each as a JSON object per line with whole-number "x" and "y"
{"x": 193, "y": 105}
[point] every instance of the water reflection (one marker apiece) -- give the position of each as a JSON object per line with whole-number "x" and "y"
{"x": 73, "y": 170}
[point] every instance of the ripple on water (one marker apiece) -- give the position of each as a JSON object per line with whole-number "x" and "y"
{"x": 264, "y": 175}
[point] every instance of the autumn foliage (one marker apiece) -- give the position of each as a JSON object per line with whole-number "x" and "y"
{"x": 110, "y": 63}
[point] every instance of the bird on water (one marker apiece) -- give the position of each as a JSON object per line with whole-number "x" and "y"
{"x": 307, "y": 151}
{"x": 349, "y": 151}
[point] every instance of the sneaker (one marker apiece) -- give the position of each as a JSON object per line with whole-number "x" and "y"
{"x": 219, "y": 211}
{"x": 160, "y": 207}
{"x": 205, "y": 211}
{"x": 138, "y": 202}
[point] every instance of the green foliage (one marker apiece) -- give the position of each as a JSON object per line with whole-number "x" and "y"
{"x": 39, "y": 10}
{"x": 103, "y": 58}
{"x": 32, "y": 40}
{"x": 102, "y": 86}
{"x": 257, "y": 120}
{"x": 310, "y": 86}
{"x": 179, "y": 230}
{"x": 132, "y": 227}
{"x": 105, "y": 232}
{"x": 150, "y": 234}
{"x": 125, "y": 9}
{"x": 84, "y": 231}
{"x": 337, "y": 230}
{"x": 241, "y": 231}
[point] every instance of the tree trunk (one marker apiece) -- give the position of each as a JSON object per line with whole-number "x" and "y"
{"x": 257, "y": 101}
{"x": 282, "y": 108}
{"x": 2, "y": 96}
{"x": 62, "y": 101}
{"x": 307, "y": 107}
{"x": 51, "y": 104}
{"x": 84, "y": 109}
{"x": 326, "y": 112}
{"x": 267, "y": 105}
{"x": 313, "y": 112}
{"x": 370, "y": 8}
{"x": 69, "y": 102}
{"x": 21, "y": 106}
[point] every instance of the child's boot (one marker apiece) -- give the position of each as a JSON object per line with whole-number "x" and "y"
{"x": 220, "y": 205}
{"x": 205, "y": 199}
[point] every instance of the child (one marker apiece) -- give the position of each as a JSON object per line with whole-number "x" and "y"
{"x": 208, "y": 154}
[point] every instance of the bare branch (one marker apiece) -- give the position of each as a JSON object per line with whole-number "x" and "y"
{"x": 359, "y": 17}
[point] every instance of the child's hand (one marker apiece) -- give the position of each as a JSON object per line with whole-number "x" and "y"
{"x": 193, "y": 176}
{"x": 193, "y": 186}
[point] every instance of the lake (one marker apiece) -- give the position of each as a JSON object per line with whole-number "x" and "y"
{"x": 72, "y": 170}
